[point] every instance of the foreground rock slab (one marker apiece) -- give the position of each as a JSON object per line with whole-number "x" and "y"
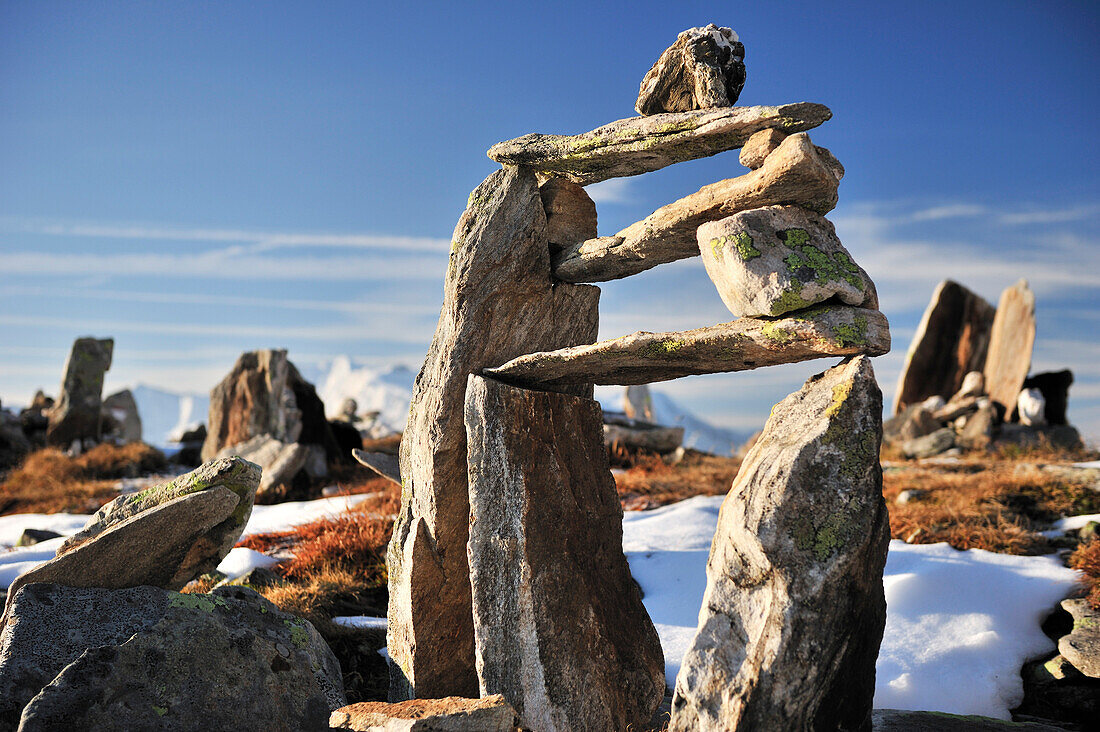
{"x": 559, "y": 624}
{"x": 1081, "y": 647}
{"x": 899, "y": 720}
{"x": 739, "y": 345}
{"x": 794, "y": 608}
{"x": 499, "y": 302}
{"x": 642, "y": 144}
{"x": 76, "y": 414}
{"x": 382, "y": 463}
{"x": 703, "y": 69}
{"x": 452, "y": 714}
{"x": 1011, "y": 339}
{"x": 144, "y": 658}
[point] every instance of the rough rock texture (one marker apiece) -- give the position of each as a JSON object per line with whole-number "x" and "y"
{"x": 145, "y": 658}
{"x": 929, "y": 445}
{"x": 1081, "y": 647}
{"x": 146, "y": 549}
{"x": 1054, "y": 386}
{"x": 75, "y": 416}
{"x": 740, "y": 345}
{"x": 776, "y": 259}
{"x": 638, "y": 403}
{"x": 914, "y": 422}
{"x": 120, "y": 421}
{"x": 898, "y": 720}
{"x": 794, "y": 608}
{"x": 703, "y": 69}
{"x": 760, "y": 146}
{"x": 499, "y": 302}
{"x": 950, "y": 342}
{"x": 796, "y": 174}
{"x": 452, "y": 714}
{"x": 382, "y": 463}
{"x": 570, "y": 213}
{"x": 559, "y": 623}
{"x": 1010, "y": 341}
{"x": 642, "y": 144}
{"x": 278, "y": 461}
{"x": 651, "y": 438}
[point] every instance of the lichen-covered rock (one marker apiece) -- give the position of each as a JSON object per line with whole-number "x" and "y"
{"x": 794, "y": 608}
{"x": 642, "y": 144}
{"x": 740, "y": 345}
{"x": 1011, "y": 339}
{"x": 500, "y": 302}
{"x": 278, "y": 461}
{"x": 796, "y": 174}
{"x": 777, "y": 259}
{"x": 1081, "y": 647}
{"x": 451, "y": 714}
{"x": 570, "y": 213}
{"x": 75, "y": 416}
{"x": 703, "y": 69}
{"x": 144, "y": 658}
{"x": 760, "y": 146}
{"x": 559, "y": 624}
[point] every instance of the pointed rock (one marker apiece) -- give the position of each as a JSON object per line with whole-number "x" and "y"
{"x": 703, "y": 69}
{"x": 740, "y": 345}
{"x": 119, "y": 419}
{"x": 499, "y": 302}
{"x": 643, "y": 144}
{"x": 1010, "y": 342}
{"x": 560, "y": 628}
{"x": 76, "y": 414}
{"x": 794, "y": 609}
{"x": 795, "y": 174}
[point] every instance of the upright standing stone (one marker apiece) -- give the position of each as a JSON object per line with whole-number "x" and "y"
{"x": 638, "y": 403}
{"x": 951, "y": 341}
{"x": 75, "y": 416}
{"x": 794, "y": 609}
{"x": 500, "y": 302}
{"x": 120, "y": 418}
{"x": 703, "y": 69}
{"x": 1010, "y": 343}
{"x": 559, "y": 625}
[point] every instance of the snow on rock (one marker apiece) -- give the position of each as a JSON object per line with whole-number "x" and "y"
{"x": 387, "y": 391}
{"x": 240, "y": 561}
{"x": 361, "y": 621}
{"x": 165, "y": 415}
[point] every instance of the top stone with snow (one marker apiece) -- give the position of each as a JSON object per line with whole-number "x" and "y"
{"x": 703, "y": 69}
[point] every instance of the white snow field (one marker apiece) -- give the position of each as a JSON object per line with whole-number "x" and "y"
{"x": 959, "y": 623}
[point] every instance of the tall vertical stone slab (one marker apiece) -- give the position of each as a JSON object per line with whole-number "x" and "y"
{"x": 559, "y": 626}
{"x": 951, "y": 341}
{"x": 794, "y": 609}
{"x": 500, "y": 302}
{"x": 1010, "y": 344}
{"x": 75, "y": 416}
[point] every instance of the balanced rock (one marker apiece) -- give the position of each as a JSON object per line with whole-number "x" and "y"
{"x": 1054, "y": 386}
{"x": 1010, "y": 342}
{"x": 973, "y": 385}
{"x": 951, "y": 341}
{"x": 500, "y": 302}
{"x": 795, "y": 174}
{"x": 777, "y": 259}
{"x": 794, "y": 609}
{"x": 760, "y": 146}
{"x": 559, "y": 624}
{"x": 1081, "y": 647}
{"x": 570, "y": 213}
{"x": 642, "y": 144}
{"x": 703, "y": 69}
{"x": 120, "y": 421}
{"x": 740, "y": 345}
{"x": 452, "y": 714}
{"x": 75, "y": 416}
{"x": 145, "y": 658}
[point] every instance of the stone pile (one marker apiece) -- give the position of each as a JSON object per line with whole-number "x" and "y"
{"x": 506, "y": 568}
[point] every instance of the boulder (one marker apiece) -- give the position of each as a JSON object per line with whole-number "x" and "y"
{"x": 1018, "y": 435}
{"x": 1010, "y": 341}
{"x": 452, "y": 714}
{"x": 642, "y": 144}
{"x": 637, "y": 403}
{"x": 747, "y": 343}
{"x": 279, "y": 462}
{"x": 570, "y": 213}
{"x": 1081, "y": 647}
{"x": 500, "y": 302}
{"x": 794, "y": 609}
{"x": 795, "y": 174}
{"x": 1054, "y": 386}
{"x": 559, "y": 624}
{"x": 120, "y": 421}
{"x": 381, "y": 463}
{"x": 146, "y": 658}
{"x": 760, "y": 146}
{"x": 777, "y": 259}
{"x": 914, "y": 422}
{"x": 929, "y": 445}
{"x": 703, "y": 69}
{"x": 950, "y": 342}
{"x": 900, "y": 720}
{"x": 1031, "y": 407}
{"x": 75, "y": 416}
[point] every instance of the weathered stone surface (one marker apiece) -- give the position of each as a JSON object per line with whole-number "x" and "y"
{"x": 929, "y": 445}
{"x": 500, "y": 302}
{"x": 452, "y": 714}
{"x": 144, "y": 658}
{"x": 75, "y": 416}
{"x": 914, "y": 422}
{"x": 651, "y": 438}
{"x": 795, "y": 174}
{"x": 703, "y": 69}
{"x": 120, "y": 421}
{"x": 1054, "y": 386}
{"x": 278, "y": 461}
{"x": 794, "y": 609}
{"x": 759, "y": 146}
{"x": 1081, "y": 647}
{"x": 950, "y": 342}
{"x": 642, "y": 144}
{"x": 740, "y": 345}
{"x": 899, "y": 720}
{"x": 570, "y": 213}
{"x": 1010, "y": 342}
{"x": 386, "y": 465}
{"x": 777, "y": 259}
{"x": 559, "y": 624}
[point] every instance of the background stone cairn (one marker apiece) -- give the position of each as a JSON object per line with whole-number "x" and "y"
{"x": 506, "y": 568}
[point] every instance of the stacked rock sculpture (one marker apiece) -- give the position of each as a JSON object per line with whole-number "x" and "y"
{"x": 506, "y": 568}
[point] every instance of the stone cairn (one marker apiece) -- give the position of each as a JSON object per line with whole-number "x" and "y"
{"x": 506, "y": 568}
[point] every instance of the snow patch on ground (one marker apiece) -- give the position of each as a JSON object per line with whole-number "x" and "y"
{"x": 240, "y": 561}
{"x": 285, "y": 516}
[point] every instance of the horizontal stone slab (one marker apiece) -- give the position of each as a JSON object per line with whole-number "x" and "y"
{"x": 382, "y": 463}
{"x": 740, "y": 345}
{"x": 642, "y": 144}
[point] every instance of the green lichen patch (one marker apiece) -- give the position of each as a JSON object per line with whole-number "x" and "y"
{"x": 205, "y": 603}
{"x": 826, "y": 535}
{"x": 851, "y": 334}
{"x": 666, "y": 347}
{"x": 790, "y": 300}
{"x": 824, "y": 266}
{"x": 773, "y": 332}
{"x": 161, "y": 711}
{"x": 741, "y": 243}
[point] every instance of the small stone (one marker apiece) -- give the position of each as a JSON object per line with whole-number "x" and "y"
{"x": 760, "y": 146}
{"x": 923, "y": 447}
{"x": 651, "y": 438}
{"x": 1089, "y": 531}
{"x": 1030, "y": 406}
{"x": 911, "y": 495}
{"x": 384, "y": 464}
{"x": 1010, "y": 342}
{"x": 977, "y": 432}
{"x": 1082, "y": 646}
{"x": 279, "y": 461}
{"x": 914, "y": 422}
{"x": 703, "y": 69}
{"x": 570, "y": 213}
{"x": 934, "y": 403}
{"x": 777, "y": 259}
{"x": 956, "y": 408}
{"x": 973, "y": 385}
{"x": 76, "y": 414}
{"x": 30, "y": 537}
{"x": 452, "y": 714}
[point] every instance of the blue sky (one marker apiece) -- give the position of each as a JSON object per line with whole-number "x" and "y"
{"x": 197, "y": 179}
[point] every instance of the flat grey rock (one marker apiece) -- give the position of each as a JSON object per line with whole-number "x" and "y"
{"x": 383, "y": 463}
{"x": 1081, "y": 647}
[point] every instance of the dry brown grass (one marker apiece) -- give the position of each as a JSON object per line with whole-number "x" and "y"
{"x": 652, "y": 482}
{"x": 1086, "y": 559}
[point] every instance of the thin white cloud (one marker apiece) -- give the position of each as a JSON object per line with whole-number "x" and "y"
{"x": 1048, "y": 216}
{"x": 951, "y": 211}
{"x": 614, "y": 190}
